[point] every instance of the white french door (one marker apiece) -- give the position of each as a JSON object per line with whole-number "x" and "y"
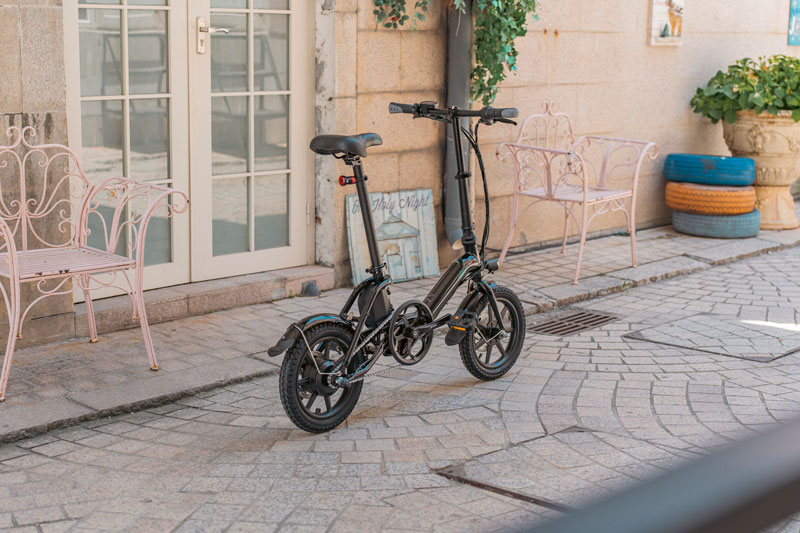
{"x": 224, "y": 115}
{"x": 250, "y": 118}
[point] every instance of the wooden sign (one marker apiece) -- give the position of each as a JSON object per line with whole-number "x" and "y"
{"x": 406, "y": 231}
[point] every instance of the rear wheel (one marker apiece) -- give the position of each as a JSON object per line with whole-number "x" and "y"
{"x": 309, "y": 394}
{"x": 490, "y": 347}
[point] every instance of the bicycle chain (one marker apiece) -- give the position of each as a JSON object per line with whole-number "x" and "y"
{"x": 379, "y": 372}
{"x": 372, "y": 334}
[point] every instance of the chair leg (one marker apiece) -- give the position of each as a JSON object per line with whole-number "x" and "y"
{"x": 13, "y": 332}
{"x": 138, "y": 298}
{"x": 566, "y": 229}
{"x": 514, "y": 205}
{"x": 87, "y": 299}
{"x": 584, "y": 229}
{"x": 632, "y": 230}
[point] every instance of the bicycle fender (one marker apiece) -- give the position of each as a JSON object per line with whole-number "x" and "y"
{"x": 470, "y": 300}
{"x": 293, "y": 332}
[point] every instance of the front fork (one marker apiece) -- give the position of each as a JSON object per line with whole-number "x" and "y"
{"x": 486, "y": 289}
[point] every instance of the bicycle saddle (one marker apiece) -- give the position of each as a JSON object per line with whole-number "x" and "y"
{"x": 345, "y": 144}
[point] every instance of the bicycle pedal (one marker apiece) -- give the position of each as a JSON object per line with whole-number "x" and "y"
{"x": 459, "y": 325}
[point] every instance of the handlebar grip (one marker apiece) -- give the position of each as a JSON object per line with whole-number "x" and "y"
{"x": 492, "y": 113}
{"x": 401, "y": 108}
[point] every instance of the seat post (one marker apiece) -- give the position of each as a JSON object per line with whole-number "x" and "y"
{"x": 366, "y": 215}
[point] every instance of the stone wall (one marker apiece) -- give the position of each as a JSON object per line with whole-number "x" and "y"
{"x": 32, "y": 93}
{"x": 368, "y": 67}
{"x": 593, "y": 60}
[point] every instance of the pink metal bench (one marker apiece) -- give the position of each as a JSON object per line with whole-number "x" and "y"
{"x": 45, "y": 219}
{"x": 597, "y": 173}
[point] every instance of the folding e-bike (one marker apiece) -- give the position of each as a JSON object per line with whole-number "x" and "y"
{"x": 329, "y": 354}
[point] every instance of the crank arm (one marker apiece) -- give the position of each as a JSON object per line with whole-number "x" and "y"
{"x": 419, "y": 331}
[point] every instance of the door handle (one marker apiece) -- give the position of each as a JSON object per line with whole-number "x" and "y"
{"x": 203, "y": 31}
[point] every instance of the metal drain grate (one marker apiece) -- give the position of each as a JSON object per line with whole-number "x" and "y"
{"x": 571, "y": 324}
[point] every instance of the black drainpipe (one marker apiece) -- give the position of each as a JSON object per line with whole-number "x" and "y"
{"x": 459, "y": 65}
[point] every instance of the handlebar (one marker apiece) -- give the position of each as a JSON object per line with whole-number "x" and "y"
{"x": 402, "y": 108}
{"x": 429, "y": 110}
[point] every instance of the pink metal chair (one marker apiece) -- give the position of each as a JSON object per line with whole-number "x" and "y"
{"x": 552, "y": 165}
{"x": 45, "y": 236}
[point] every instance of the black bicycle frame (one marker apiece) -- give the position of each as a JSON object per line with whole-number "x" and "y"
{"x": 468, "y": 267}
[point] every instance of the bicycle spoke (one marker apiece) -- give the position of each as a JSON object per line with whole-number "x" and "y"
{"x": 327, "y": 402}
{"x": 311, "y": 400}
{"x": 500, "y": 347}
{"x": 488, "y": 352}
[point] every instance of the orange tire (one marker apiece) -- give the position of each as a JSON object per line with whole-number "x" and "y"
{"x": 710, "y": 199}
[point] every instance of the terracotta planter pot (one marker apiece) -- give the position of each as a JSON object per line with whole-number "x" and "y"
{"x": 773, "y": 142}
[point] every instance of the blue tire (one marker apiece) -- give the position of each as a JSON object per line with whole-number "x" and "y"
{"x": 710, "y": 169}
{"x": 717, "y": 227}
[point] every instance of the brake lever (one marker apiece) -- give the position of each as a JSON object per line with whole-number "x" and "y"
{"x": 490, "y": 121}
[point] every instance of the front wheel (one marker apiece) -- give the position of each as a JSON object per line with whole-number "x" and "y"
{"x": 309, "y": 394}
{"x": 491, "y": 347}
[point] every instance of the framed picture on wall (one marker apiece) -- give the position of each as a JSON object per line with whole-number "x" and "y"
{"x": 666, "y": 22}
{"x": 794, "y": 23}
{"x": 406, "y": 229}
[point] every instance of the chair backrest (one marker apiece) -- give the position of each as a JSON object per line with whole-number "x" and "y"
{"x": 547, "y": 130}
{"x": 40, "y": 189}
{"x": 543, "y": 156}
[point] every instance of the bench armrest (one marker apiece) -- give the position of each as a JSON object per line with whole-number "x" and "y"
{"x": 616, "y": 155}
{"x": 122, "y": 208}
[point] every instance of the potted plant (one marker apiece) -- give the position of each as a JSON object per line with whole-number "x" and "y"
{"x": 759, "y": 102}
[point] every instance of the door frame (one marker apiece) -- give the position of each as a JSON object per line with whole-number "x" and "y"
{"x": 185, "y": 227}
{"x": 204, "y": 265}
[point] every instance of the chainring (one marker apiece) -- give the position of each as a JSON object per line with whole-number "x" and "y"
{"x": 406, "y": 344}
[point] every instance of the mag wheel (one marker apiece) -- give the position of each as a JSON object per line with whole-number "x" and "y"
{"x": 309, "y": 394}
{"x": 491, "y": 348}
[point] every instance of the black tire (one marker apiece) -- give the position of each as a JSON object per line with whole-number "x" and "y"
{"x": 301, "y": 385}
{"x": 479, "y": 363}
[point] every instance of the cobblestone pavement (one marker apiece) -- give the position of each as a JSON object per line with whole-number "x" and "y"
{"x": 74, "y": 380}
{"x": 577, "y": 418}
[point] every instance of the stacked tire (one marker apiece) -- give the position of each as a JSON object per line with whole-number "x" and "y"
{"x": 712, "y": 196}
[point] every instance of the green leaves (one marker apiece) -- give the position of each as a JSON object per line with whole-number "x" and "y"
{"x": 769, "y": 84}
{"x": 392, "y": 13}
{"x": 498, "y": 23}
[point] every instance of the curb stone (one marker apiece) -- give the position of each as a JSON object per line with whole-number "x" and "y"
{"x": 78, "y": 412}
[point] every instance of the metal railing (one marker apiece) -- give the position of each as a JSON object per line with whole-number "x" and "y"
{"x": 744, "y": 488}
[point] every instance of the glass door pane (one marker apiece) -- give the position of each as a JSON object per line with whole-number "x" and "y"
{"x": 250, "y": 110}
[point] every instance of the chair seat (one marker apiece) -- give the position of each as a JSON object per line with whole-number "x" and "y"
{"x": 60, "y": 262}
{"x": 575, "y": 194}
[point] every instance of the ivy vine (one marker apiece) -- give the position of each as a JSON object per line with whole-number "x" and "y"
{"x": 498, "y": 23}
